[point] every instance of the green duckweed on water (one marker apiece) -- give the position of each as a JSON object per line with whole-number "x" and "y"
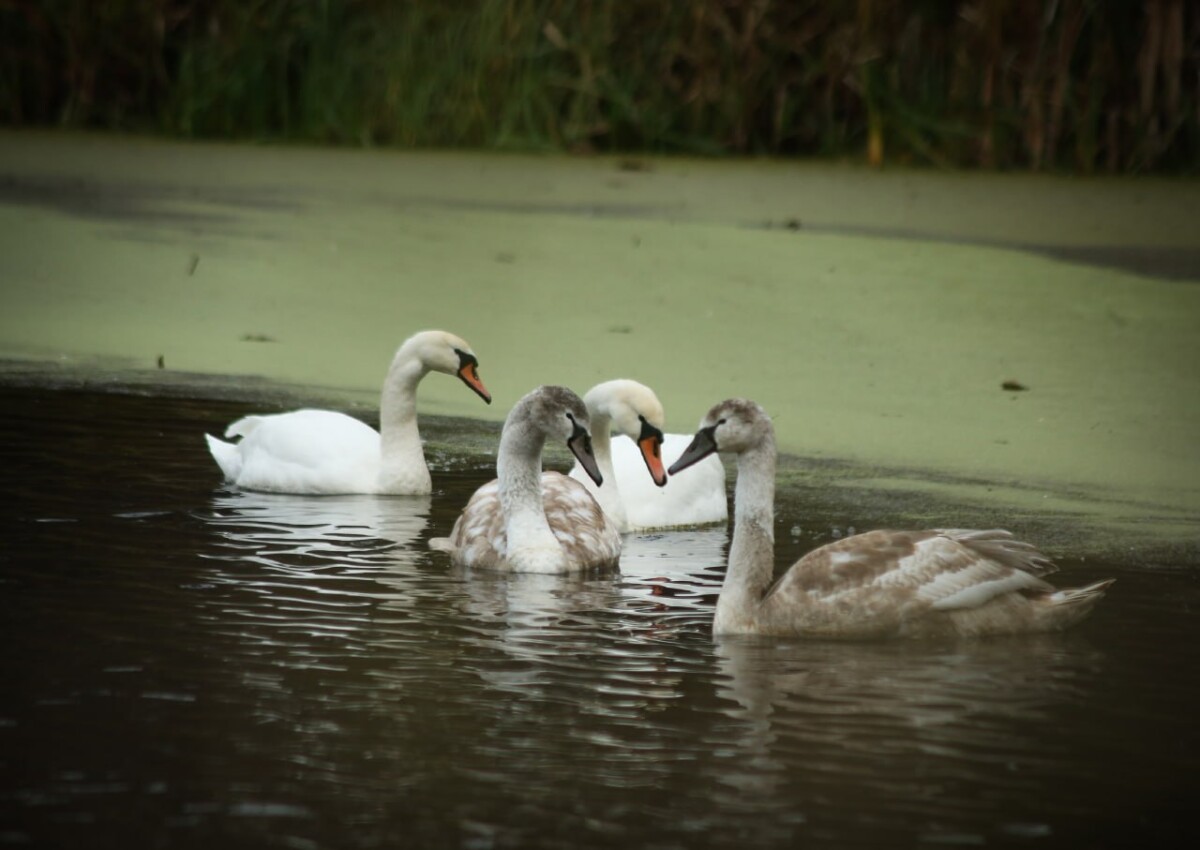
{"x": 877, "y": 316}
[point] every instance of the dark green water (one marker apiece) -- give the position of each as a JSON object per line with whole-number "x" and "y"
{"x": 190, "y": 666}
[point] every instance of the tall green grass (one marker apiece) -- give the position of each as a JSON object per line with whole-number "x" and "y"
{"x": 1082, "y": 85}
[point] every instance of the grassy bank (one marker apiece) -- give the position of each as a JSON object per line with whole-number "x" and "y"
{"x": 1025, "y": 84}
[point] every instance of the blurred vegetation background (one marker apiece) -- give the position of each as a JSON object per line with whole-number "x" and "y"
{"x": 1076, "y": 85}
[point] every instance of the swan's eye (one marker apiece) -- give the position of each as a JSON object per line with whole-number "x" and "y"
{"x": 720, "y": 421}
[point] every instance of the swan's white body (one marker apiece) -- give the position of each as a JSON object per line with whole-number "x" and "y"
{"x": 307, "y": 452}
{"x": 529, "y": 521}
{"x": 322, "y": 452}
{"x": 630, "y": 495}
{"x": 950, "y": 582}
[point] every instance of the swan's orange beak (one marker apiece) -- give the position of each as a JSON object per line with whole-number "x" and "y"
{"x": 469, "y": 372}
{"x": 652, "y": 454}
{"x": 650, "y": 443}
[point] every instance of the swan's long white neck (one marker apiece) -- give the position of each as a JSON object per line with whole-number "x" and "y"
{"x": 402, "y": 465}
{"x": 519, "y": 471}
{"x": 608, "y": 496}
{"x": 752, "y": 552}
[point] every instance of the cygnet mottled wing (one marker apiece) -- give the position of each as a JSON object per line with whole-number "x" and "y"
{"x": 886, "y": 578}
{"x": 589, "y": 541}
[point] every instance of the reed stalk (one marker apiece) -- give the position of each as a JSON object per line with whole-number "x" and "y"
{"x": 1076, "y": 85}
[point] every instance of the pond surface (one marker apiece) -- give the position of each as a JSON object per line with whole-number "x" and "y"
{"x": 191, "y": 666}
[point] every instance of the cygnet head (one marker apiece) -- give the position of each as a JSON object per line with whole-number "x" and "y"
{"x": 444, "y": 352}
{"x": 559, "y": 412}
{"x": 734, "y": 425}
{"x": 637, "y": 413}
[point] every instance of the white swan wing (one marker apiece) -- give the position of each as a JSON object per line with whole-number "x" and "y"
{"x": 697, "y": 498}
{"x": 304, "y": 451}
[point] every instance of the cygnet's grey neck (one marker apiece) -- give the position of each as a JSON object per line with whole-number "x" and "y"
{"x": 519, "y": 471}
{"x": 752, "y": 552}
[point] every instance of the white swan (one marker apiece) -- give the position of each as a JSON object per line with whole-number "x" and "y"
{"x": 880, "y": 584}
{"x": 632, "y": 499}
{"x": 529, "y": 521}
{"x": 321, "y": 452}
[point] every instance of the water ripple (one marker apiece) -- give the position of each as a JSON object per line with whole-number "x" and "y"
{"x": 191, "y": 665}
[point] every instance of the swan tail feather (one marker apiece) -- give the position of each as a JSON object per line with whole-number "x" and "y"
{"x": 1078, "y": 595}
{"x": 1064, "y": 608}
{"x": 442, "y": 544}
{"x": 226, "y": 455}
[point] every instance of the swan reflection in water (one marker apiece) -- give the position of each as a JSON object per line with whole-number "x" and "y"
{"x": 276, "y": 530}
{"x": 607, "y": 632}
{"x": 358, "y": 551}
{"x": 334, "y": 544}
{"x": 901, "y": 722}
{"x": 666, "y": 579}
{"x": 578, "y": 671}
{"x": 673, "y": 555}
{"x": 680, "y": 572}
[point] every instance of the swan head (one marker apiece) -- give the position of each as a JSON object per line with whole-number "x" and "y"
{"x": 734, "y": 425}
{"x": 636, "y": 412}
{"x": 559, "y": 413}
{"x": 444, "y": 352}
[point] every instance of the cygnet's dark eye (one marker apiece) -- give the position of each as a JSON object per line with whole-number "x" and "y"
{"x": 720, "y": 421}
